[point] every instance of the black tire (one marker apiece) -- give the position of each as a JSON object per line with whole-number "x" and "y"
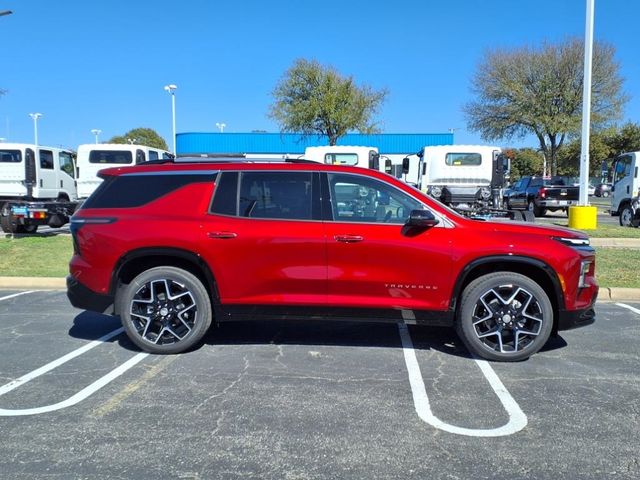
{"x": 626, "y": 214}
{"x": 7, "y": 220}
{"x": 517, "y": 216}
{"x": 537, "y": 211}
{"x": 27, "y": 229}
{"x": 165, "y": 310}
{"x": 528, "y": 216}
{"x": 495, "y": 329}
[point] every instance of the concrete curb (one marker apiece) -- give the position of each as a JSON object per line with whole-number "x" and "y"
{"x": 619, "y": 294}
{"x": 33, "y": 283}
{"x": 614, "y": 294}
{"x": 615, "y": 242}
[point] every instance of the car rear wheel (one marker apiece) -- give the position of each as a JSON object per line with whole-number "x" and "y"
{"x": 165, "y": 310}
{"x": 537, "y": 211}
{"x": 504, "y": 316}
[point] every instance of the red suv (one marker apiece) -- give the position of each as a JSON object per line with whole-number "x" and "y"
{"x": 172, "y": 246}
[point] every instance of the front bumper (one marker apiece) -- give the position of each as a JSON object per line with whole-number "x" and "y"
{"x": 84, "y": 298}
{"x": 570, "y": 319}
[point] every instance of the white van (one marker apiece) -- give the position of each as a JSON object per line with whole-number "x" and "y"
{"x": 93, "y": 157}
{"x": 34, "y": 172}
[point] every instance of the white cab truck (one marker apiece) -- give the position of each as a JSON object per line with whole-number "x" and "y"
{"x": 468, "y": 178}
{"x": 366, "y": 157}
{"x": 37, "y": 187}
{"x": 625, "y": 190}
{"x": 463, "y": 176}
{"x": 93, "y": 157}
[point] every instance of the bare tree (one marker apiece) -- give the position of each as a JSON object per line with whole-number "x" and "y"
{"x": 539, "y": 91}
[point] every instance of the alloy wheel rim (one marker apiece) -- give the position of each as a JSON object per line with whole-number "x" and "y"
{"x": 507, "y": 319}
{"x": 163, "y": 311}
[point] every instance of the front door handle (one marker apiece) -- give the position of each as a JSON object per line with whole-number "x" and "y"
{"x": 349, "y": 238}
{"x": 222, "y": 235}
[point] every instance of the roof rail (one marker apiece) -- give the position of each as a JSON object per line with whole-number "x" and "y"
{"x": 226, "y": 158}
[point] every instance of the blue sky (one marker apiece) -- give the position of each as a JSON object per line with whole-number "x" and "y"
{"x": 103, "y": 64}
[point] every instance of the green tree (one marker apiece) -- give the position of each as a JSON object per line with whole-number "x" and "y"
{"x": 141, "y": 136}
{"x": 603, "y": 145}
{"x": 524, "y": 161}
{"x": 313, "y": 99}
{"x": 539, "y": 91}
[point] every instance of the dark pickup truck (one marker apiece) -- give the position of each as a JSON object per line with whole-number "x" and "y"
{"x": 539, "y": 194}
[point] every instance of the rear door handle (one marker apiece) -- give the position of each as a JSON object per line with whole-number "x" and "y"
{"x": 222, "y": 235}
{"x": 349, "y": 238}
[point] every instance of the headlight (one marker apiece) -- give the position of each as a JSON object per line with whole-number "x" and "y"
{"x": 573, "y": 242}
{"x": 436, "y": 191}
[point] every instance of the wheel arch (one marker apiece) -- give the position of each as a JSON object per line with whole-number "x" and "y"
{"x": 535, "y": 269}
{"x": 136, "y": 261}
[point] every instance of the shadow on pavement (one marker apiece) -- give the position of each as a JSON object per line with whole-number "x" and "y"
{"x": 91, "y": 326}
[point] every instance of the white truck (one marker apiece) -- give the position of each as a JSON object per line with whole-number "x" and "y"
{"x": 367, "y": 157}
{"x": 37, "y": 187}
{"x": 625, "y": 189}
{"x": 468, "y": 178}
{"x": 93, "y": 157}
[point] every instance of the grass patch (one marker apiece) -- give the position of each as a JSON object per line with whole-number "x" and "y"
{"x": 618, "y": 267}
{"x": 605, "y": 230}
{"x": 35, "y": 256}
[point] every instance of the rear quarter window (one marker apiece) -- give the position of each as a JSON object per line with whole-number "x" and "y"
{"x": 135, "y": 190}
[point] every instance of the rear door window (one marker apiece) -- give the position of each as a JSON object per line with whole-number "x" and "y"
{"x": 46, "y": 159}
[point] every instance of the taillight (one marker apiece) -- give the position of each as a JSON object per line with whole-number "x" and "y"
{"x": 76, "y": 223}
{"x": 542, "y": 193}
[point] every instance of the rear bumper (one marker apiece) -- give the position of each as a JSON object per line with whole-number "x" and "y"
{"x": 557, "y": 203}
{"x": 84, "y": 298}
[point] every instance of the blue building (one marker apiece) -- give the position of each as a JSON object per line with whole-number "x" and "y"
{"x": 291, "y": 143}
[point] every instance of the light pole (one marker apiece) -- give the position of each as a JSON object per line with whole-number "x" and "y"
{"x": 96, "y": 132}
{"x": 221, "y": 126}
{"x": 172, "y": 89}
{"x": 35, "y": 117}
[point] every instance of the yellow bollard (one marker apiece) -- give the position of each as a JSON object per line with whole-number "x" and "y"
{"x": 583, "y": 218}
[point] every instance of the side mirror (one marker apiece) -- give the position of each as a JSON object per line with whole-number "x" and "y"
{"x": 422, "y": 219}
{"x": 405, "y": 165}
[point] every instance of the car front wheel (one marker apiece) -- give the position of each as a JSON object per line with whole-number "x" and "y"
{"x": 504, "y": 316}
{"x": 626, "y": 214}
{"x": 165, "y": 310}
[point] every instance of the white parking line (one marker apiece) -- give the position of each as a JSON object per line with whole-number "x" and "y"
{"x": 79, "y": 396}
{"x": 16, "y": 295}
{"x": 517, "y": 418}
{"x": 629, "y": 307}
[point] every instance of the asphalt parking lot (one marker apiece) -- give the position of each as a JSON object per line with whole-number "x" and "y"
{"x": 285, "y": 400}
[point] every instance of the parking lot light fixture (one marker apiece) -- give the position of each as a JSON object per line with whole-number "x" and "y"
{"x": 96, "y": 132}
{"x": 5, "y": 12}
{"x": 171, "y": 88}
{"x": 35, "y": 117}
{"x": 221, "y": 126}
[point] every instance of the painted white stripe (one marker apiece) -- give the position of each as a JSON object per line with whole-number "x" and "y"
{"x": 56, "y": 363}
{"x": 629, "y": 307}
{"x": 79, "y": 396}
{"x": 16, "y": 295}
{"x": 517, "y": 418}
